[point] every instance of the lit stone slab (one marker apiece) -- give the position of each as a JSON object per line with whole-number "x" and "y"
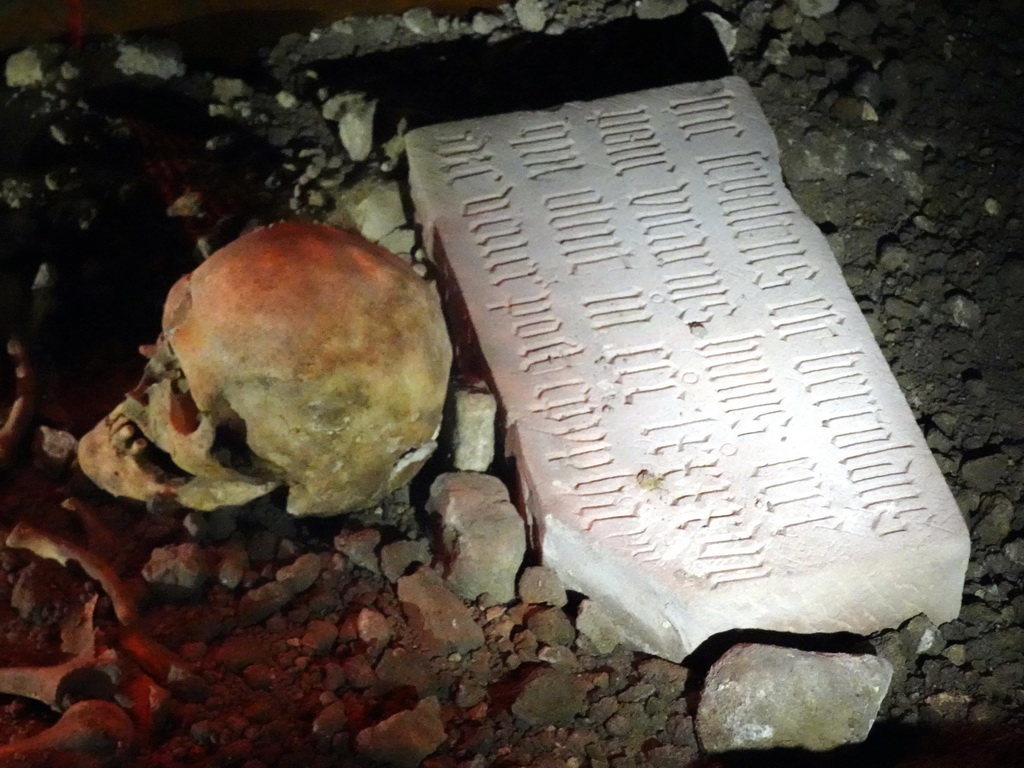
{"x": 706, "y": 434}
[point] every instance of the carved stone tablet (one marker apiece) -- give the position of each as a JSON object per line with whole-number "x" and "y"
{"x": 706, "y": 434}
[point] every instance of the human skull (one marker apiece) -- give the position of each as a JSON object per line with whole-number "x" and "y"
{"x": 298, "y": 355}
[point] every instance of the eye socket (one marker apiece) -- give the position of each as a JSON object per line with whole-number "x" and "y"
{"x": 184, "y": 413}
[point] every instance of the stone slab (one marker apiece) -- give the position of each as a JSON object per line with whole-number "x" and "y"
{"x": 706, "y": 434}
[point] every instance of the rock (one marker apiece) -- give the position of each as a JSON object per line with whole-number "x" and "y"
{"x": 42, "y": 591}
{"x": 549, "y": 697}
{"x": 377, "y": 209}
{"x": 300, "y": 575}
{"x": 766, "y": 697}
{"x": 360, "y": 547}
{"x": 598, "y": 627}
{"x": 52, "y": 451}
{"x": 161, "y": 60}
{"x": 372, "y": 628}
{"x": 994, "y": 520}
{"x": 263, "y": 601}
{"x": 405, "y": 739}
{"x": 396, "y": 557}
{"x": 541, "y": 586}
{"x": 178, "y": 572}
{"x": 486, "y": 23}
{"x": 725, "y": 31}
{"x": 532, "y": 15}
{"x": 551, "y": 627}
{"x": 473, "y": 440}
{"x": 330, "y": 720}
{"x": 24, "y": 69}
{"x": 420, "y": 21}
{"x": 964, "y": 310}
{"x": 444, "y": 620}
{"x": 234, "y": 561}
{"x": 483, "y": 538}
{"x": 817, "y": 8}
{"x": 660, "y": 9}
{"x": 399, "y": 667}
{"x": 984, "y": 472}
{"x": 320, "y": 637}
{"x": 354, "y": 114}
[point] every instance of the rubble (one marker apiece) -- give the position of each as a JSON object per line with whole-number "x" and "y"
{"x": 404, "y": 739}
{"x": 445, "y": 622}
{"x": 768, "y": 697}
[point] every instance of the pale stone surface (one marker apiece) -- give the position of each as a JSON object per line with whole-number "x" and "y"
{"x": 763, "y": 697}
{"x": 431, "y": 608}
{"x": 706, "y": 434}
{"x": 473, "y": 438}
{"x": 269, "y": 372}
{"x": 24, "y": 68}
{"x": 483, "y": 538}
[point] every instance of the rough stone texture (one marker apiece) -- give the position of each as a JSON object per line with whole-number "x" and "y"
{"x": 178, "y": 572}
{"x": 444, "y": 620}
{"x": 483, "y": 538}
{"x": 473, "y": 438}
{"x": 599, "y": 628}
{"x": 549, "y": 697}
{"x": 299, "y": 576}
{"x": 285, "y": 316}
{"x": 396, "y": 557}
{"x": 404, "y": 739}
{"x": 540, "y": 585}
{"x": 706, "y": 433}
{"x": 531, "y": 15}
{"x": 764, "y": 697}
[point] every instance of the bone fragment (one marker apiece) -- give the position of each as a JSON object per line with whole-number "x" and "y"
{"x": 51, "y": 547}
{"x": 77, "y": 633}
{"x": 45, "y": 683}
{"x": 18, "y": 420}
{"x": 99, "y": 732}
{"x": 155, "y": 659}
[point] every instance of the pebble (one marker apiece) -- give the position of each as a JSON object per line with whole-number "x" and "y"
{"x": 549, "y": 697}
{"x": 659, "y": 9}
{"x": 531, "y": 15}
{"x": 320, "y": 637}
{"x": 160, "y": 60}
{"x": 420, "y": 21}
{"x": 262, "y": 602}
{"x": 445, "y": 621}
{"x": 373, "y": 628}
{"x": 815, "y": 9}
{"x": 301, "y": 574}
{"x": 551, "y": 626}
{"x": 994, "y": 521}
{"x": 24, "y": 69}
{"x": 178, "y": 572}
{"x": 474, "y": 430}
{"x": 540, "y": 585}
{"x": 330, "y": 720}
{"x": 598, "y": 627}
{"x": 360, "y": 547}
{"x": 486, "y": 23}
{"x": 984, "y": 472}
{"x": 404, "y": 739}
{"x": 965, "y": 311}
{"x": 399, "y": 667}
{"x": 53, "y": 451}
{"x": 398, "y": 556}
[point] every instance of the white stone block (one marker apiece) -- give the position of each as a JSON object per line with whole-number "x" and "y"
{"x": 473, "y": 440}
{"x": 707, "y": 435}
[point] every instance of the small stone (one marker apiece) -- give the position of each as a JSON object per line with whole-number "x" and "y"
{"x": 320, "y": 637}
{"x": 817, "y": 8}
{"x": 541, "y": 586}
{"x": 52, "y": 451}
{"x": 263, "y": 601}
{"x": 777, "y": 53}
{"x": 160, "y": 60}
{"x": 420, "y": 21}
{"x": 531, "y": 15}
{"x": 549, "y": 697}
{"x": 399, "y": 667}
{"x": 287, "y": 100}
{"x": 330, "y": 720}
{"x": 992, "y": 207}
{"x": 473, "y": 441}
{"x": 300, "y": 575}
{"x": 766, "y": 697}
{"x": 483, "y": 536}
{"x": 659, "y": 9}
{"x": 178, "y": 572}
{"x": 994, "y": 520}
{"x": 396, "y": 557}
{"x": 380, "y": 210}
{"x": 965, "y": 311}
{"x": 444, "y": 620}
{"x": 372, "y": 627}
{"x": 551, "y": 626}
{"x": 240, "y": 651}
{"x": 24, "y": 69}
{"x": 405, "y": 739}
{"x": 725, "y": 31}
{"x": 984, "y": 472}
{"x": 598, "y": 627}
{"x": 234, "y": 561}
{"x": 486, "y": 23}
{"x": 360, "y": 547}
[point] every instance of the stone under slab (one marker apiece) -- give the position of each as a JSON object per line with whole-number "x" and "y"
{"x": 706, "y": 435}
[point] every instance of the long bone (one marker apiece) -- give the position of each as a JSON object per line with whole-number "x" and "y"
{"x": 48, "y": 683}
{"x": 92, "y": 732}
{"x": 23, "y": 408}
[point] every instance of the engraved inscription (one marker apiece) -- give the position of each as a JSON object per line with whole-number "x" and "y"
{"x": 585, "y": 232}
{"x": 627, "y": 307}
{"x": 464, "y": 157}
{"x": 546, "y": 148}
{"x": 707, "y": 114}
{"x": 630, "y": 141}
{"x": 744, "y": 384}
{"x": 644, "y": 370}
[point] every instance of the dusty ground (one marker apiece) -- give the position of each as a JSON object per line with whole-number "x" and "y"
{"x": 901, "y": 128}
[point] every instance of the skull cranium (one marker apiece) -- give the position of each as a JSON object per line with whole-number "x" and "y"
{"x": 298, "y": 355}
